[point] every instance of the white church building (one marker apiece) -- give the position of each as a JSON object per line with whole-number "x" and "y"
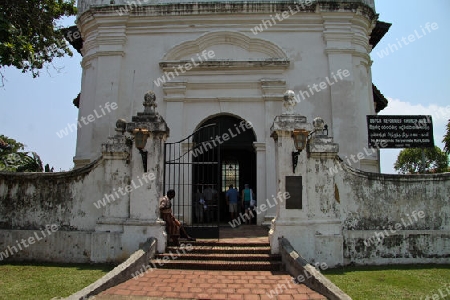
{"x": 228, "y": 62}
{"x": 229, "y": 90}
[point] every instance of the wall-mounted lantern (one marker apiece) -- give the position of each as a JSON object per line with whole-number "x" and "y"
{"x": 140, "y": 140}
{"x": 300, "y": 137}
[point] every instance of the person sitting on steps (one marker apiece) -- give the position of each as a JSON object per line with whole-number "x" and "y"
{"x": 173, "y": 226}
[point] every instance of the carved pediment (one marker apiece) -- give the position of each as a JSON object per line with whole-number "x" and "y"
{"x": 227, "y": 45}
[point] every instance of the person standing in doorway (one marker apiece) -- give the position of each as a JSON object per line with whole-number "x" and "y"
{"x": 199, "y": 204}
{"x": 232, "y": 201}
{"x": 247, "y": 195}
{"x": 210, "y": 196}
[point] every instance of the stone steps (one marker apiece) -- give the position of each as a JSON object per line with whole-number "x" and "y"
{"x": 225, "y": 250}
{"x": 214, "y": 255}
{"x": 223, "y": 257}
{"x": 222, "y": 265}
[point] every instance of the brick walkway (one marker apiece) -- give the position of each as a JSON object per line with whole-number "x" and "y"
{"x": 185, "y": 284}
{"x": 209, "y": 284}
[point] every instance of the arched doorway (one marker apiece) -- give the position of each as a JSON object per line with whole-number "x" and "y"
{"x": 236, "y": 164}
{"x": 200, "y": 167}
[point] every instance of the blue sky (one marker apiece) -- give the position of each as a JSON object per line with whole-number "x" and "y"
{"x": 415, "y": 78}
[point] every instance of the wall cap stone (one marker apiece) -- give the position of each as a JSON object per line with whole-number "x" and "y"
{"x": 121, "y": 273}
{"x": 393, "y": 177}
{"x": 296, "y": 265}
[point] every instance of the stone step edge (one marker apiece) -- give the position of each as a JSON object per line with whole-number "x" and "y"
{"x": 221, "y": 256}
{"x": 217, "y": 262}
{"x": 224, "y": 244}
{"x": 224, "y": 251}
{"x": 214, "y": 248}
{"x": 224, "y": 266}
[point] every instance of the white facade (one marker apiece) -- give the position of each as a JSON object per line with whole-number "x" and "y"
{"x": 320, "y": 50}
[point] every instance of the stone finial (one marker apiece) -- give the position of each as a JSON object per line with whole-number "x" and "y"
{"x": 319, "y": 126}
{"x": 149, "y": 118}
{"x": 150, "y": 103}
{"x": 318, "y": 123}
{"x": 121, "y": 125}
{"x": 289, "y": 102}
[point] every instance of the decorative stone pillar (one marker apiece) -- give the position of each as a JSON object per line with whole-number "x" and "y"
{"x": 144, "y": 220}
{"x": 307, "y": 212}
{"x": 286, "y": 220}
{"x": 116, "y": 154}
{"x": 106, "y": 241}
{"x": 131, "y": 215}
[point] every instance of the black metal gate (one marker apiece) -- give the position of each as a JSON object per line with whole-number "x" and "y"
{"x": 192, "y": 169}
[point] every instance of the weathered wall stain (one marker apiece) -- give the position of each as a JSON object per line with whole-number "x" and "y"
{"x": 29, "y": 200}
{"x": 374, "y": 204}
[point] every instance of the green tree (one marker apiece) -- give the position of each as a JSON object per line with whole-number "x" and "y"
{"x": 446, "y": 139}
{"x": 29, "y": 33}
{"x": 409, "y": 161}
{"x": 14, "y": 159}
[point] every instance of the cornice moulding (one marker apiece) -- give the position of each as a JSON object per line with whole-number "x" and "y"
{"x": 261, "y": 90}
{"x": 95, "y": 55}
{"x": 259, "y": 146}
{"x": 221, "y": 99}
{"x": 246, "y": 7}
{"x": 260, "y": 64}
{"x": 223, "y": 85}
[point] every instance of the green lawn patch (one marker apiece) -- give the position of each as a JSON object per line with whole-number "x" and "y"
{"x": 45, "y": 281}
{"x": 392, "y": 282}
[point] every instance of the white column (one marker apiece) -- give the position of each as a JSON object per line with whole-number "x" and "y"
{"x": 348, "y": 51}
{"x": 261, "y": 172}
{"x": 102, "y": 65}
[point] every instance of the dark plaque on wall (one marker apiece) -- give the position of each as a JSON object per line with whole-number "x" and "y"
{"x": 294, "y": 187}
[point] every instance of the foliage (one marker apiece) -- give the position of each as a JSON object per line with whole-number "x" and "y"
{"x": 14, "y": 159}
{"x": 29, "y": 32}
{"x": 446, "y": 139}
{"x": 409, "y": 161}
